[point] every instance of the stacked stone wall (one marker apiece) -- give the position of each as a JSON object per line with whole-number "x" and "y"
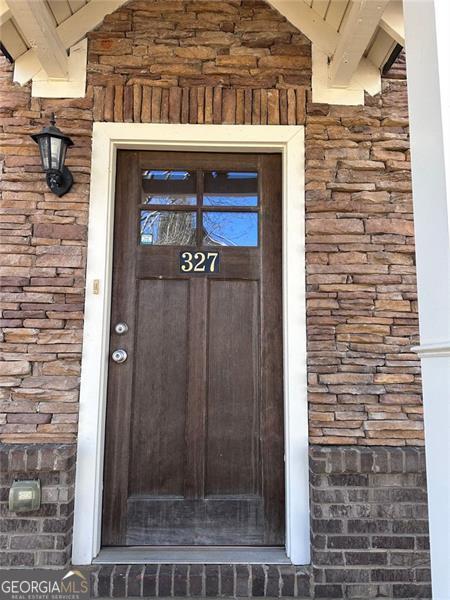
{"x": 208, "y": 62}
{"x": 364, "y": 379}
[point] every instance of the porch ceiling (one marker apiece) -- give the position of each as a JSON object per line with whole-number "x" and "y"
{"x": 334, "y": 24}
{"x": 46, "y": 41}
{"x": 353, "y": 40}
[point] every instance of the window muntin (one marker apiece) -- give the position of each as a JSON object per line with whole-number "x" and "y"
{"x": 230, "y": 188}
{"x": 169, "y": 187}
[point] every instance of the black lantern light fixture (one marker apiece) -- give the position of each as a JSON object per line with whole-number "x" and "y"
{"x": 52, "y": 146}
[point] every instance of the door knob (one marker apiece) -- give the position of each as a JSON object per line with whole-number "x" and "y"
{"x": 119, "y": 356}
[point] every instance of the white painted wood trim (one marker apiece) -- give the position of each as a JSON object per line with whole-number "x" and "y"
{"x": 74, "y": 86}
{"x": 37, "y": 24}
{"x": 107, "y": 138}
{"x": 5, "y": 13}
{"x": 309, "y": 22}
{"x": 70, "y": 31}
{"x": 360, "y": 25}
{"x": 392, "y": 21}
{"x": 427, "y": 52}
{"x": 432, "y": 350}
{"x": 367, "y": 77}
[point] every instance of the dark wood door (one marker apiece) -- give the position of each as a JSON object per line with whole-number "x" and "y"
{"x": 194, "y": 431}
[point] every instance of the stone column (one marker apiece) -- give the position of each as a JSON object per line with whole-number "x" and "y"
{"x": 428, "y": 60}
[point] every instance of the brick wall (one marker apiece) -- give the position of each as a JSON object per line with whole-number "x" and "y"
{"x": 369, "y": 538}
{"x": 43, "y": 537}
{"x": 369, "y": 523}
{"x": 185, "y": 61}
{"x": 200, "y": 581}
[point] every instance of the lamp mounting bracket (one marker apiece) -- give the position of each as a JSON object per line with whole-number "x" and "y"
{"x": 59, "y": 182}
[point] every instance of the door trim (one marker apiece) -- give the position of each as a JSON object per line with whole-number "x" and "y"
{"x": 107, "y": 138}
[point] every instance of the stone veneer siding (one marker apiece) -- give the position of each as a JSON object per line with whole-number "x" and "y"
{"x": 186, "y": 61}
{"x": 364, "y": 381}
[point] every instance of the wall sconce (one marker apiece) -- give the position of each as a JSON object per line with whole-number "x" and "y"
{"x": 52, "y": 146}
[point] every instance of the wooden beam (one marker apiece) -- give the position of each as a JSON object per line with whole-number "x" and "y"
{"x": 392, "y": 21}
{"x": 309, "y": 22}
{"x": 72, "y": 87}
{"x": 87, "y": 18}
{"x": 360, "y": 24}
{"x": 71, "y": 31}
{"x": 60, "y": 9}
{"x": 5, "y": 13}
{"x": 321, "y": 7}
{"x": 381, "y": 48}
{"x": 336, "y": 12}
{"x": 38, "y": 26}
{"x": 76, "y": 5}
{"x": 12, "y": 40}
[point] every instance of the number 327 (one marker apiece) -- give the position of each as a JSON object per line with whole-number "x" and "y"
{"x": 199, "y": 262}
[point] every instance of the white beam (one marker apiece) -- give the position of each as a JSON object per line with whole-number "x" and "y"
{"x": 365, "y": 78}
{"x": 71, "y": 31}
{"x": 360, "y": 24}
{"x": 309, "y": 22}
{"x": 12, "y": 40}
{"x": 38, "y": 26}
{"x": 72, "y": 87}
{"x": 5, "y": 13}
{"x": 392, "y": 21}
{"x": 87, "y": 18}
{"x": 427, "y": 54}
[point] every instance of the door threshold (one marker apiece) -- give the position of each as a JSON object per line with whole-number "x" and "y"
{"x": 256, "y": 555}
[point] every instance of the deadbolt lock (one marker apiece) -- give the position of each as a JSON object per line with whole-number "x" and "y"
{"x": 121, "y": 328}
{"x": 119, "y": 356}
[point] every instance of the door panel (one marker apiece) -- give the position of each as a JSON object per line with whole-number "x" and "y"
{"x": 187, "y": 522}
{"x": 158, "y": 417}
{"x": 194, "y": 431}
{"x": 233, "y": 407}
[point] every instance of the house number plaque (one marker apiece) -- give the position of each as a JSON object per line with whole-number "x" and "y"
{"x": 199, "y": 262}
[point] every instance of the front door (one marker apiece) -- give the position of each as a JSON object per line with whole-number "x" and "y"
{"x": 194, "y": 430}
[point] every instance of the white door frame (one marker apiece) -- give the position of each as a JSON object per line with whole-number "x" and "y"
{"x": 107, "y": 139}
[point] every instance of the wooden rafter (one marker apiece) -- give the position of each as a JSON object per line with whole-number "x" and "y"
{"x": 38, "y": 26}
{"x": 71, "y": 31}
{"x": 361, "y": 22}
{"x": 309, "y": 22}
{"x": 5, "y": 13}
{"x": 392, "y": 21}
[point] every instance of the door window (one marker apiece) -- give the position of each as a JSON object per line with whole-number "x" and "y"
{"x": 230, "y": 228}
{"x": 199, "y": 208}
{"x": 165, "y": 228}
{"x": 169, "y": 188}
